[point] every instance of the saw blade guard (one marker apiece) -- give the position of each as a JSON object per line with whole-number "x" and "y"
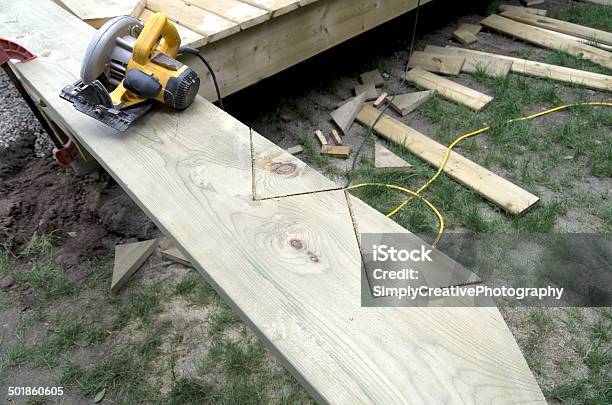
{"x": 110, "y": 50}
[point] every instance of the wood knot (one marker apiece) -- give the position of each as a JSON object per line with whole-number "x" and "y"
{"x": 282, "y": 168}
{"x": 313, "y": 257}
{"x": 296, "y": 244}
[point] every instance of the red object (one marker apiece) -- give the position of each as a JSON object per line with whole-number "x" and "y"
{"x": 64, "y": 156}
{"x": 12, "y": 50}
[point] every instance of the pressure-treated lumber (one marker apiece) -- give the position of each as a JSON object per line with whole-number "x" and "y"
{"x": 188, "y": 37}
{"x": 526, "y": 67}
{"x": 320, "y": 137}
{"x": 295, "y": 150}
{"x": 538, "y": 37}
{"x": 536, "y": 11}
{"x": 336, "y": 137}
{"x": 239, "y": 12}
{"x": 276, "y": 7}
{"x": 278, "y": 173}
{"x": 369, "y": 90}
{"x": 404, "y": 104}
{"x": 580, "y": 40}
{"x": 576, "y": 30}
{"x": 473, "y": 28}
{"x": 464, "y": 36}
{"x": 249, "y": 56}
{"x": 372, "y": 76}
{"x": 380, "y": 99}
{"x": 491, "y": 186}
{"x": 345, "y": 115}
{"x": 491, "y": 66}
{"x": 208, "y": 24}
{"x": 385, "y": 159}
{"x": 339, "y": 151}
{"x": 444, "y": 64}
{"x": 128, "y": 259}
{"x": 290, "y": 267}
{"x": 175, "y": 255}
{"x": 449, "y": 89}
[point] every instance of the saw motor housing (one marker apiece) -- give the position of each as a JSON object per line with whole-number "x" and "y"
{"x": 127, "y": 65}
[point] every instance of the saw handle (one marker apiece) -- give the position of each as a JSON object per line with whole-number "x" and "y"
{"x": 158, "y": 32}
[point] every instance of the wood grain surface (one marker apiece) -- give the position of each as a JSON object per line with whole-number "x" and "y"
{"x": 289, "y": 266}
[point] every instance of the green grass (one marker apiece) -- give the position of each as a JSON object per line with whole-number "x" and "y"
{"x": 46, "y": 278}
{"x": 40, "y": 244}
{"x": 196, "y": 289}
{"x": 142, "y": 303}
{"x": 590, "y": 15}
{"x": 595, "y": 388}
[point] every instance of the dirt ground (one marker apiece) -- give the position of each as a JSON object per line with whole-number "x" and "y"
{"x": 168, "y": 335}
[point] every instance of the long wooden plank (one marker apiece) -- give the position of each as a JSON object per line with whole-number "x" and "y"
{"x": 449, "y": 89}
{"x": 564, "y": 27}
{"x": 188, "y": 37}
{"x": 526, "y": 67}
{"x": 289, "y": 266}
{"x": 266, "y": 49}
{"x": 203, "y": 22}
{"x": 241, "y": 13}
{"x": 491, "y": 186}
{"x": 445, "y": 64}
{"x": 580, "y": 40}
{"x": 544, "y": 39}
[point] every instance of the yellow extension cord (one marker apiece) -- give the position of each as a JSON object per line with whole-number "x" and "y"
{"x": 445, "y": 160}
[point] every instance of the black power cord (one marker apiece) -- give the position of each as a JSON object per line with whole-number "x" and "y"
{"x": 192, "y": 51}
{"x": 382, "y": 112}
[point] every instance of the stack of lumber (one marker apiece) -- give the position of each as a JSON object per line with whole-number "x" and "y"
{"x": 290, "y": 266}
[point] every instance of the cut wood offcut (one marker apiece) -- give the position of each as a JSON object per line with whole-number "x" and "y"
{"x": 449, "y": 89}
{"x": 493, "y": 187}
{"x": 128, "y": 259}
{"x": 404, "y": 104}
{"x": 345, "y": 115}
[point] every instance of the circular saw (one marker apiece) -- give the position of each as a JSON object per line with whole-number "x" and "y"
{"x": 128, "y": 66}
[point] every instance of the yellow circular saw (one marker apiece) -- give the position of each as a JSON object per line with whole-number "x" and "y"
{"x": 127, "y": 66}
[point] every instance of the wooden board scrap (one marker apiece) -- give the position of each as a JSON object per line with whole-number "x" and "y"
{"x": 128, "y": 259}
{"x": 547, "y": 71}
{"x": 576, "y": 30}
{"x": 345, "y": 115}
{"x": 493, "y": 187}
{"x": 373, "y": 77}
{"x": 369, "y": 89}
{"x": 380, "y": 99}
{"x": 321, "y": 137}
{"x": 493, "y": 67}
{"x": 339, "y": 151}
{"x": 404, "y": 104}
{"x": 473, "y": 28}
{"x": 336, "y": 137}
{"x": 295, "y": 150}
{"x": 175, "y": 255}
{"x": 445, "y": 64}
{"x": 536, "y": 11}
{"x": 545, "y": 39}
{"x": 385, "y": 159}
{"x": 465, "y": 37}
{"x": 449, "y": 89}
{"x": 241, "y": 13}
